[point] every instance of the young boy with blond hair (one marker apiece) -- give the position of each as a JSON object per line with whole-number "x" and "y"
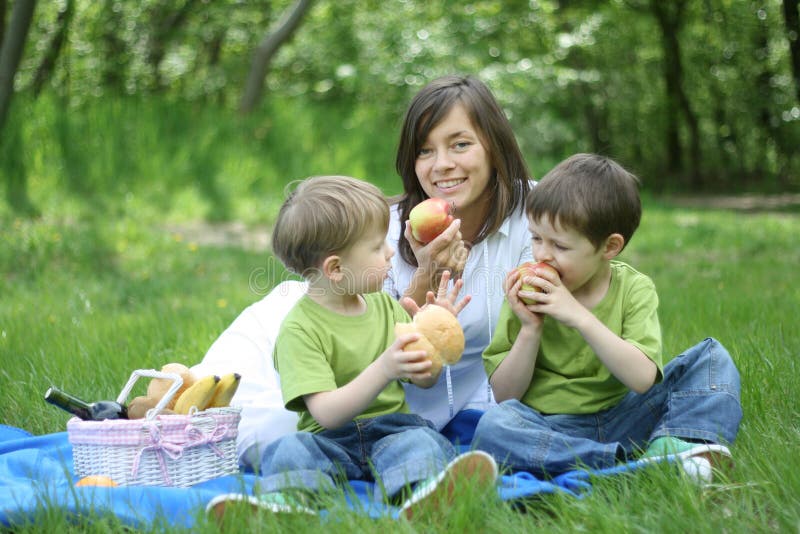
{"x": 340, "y": 364}
{"x": 578, "y": 371}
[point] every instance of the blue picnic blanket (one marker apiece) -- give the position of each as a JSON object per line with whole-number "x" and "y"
{"x": 37, "y": 472}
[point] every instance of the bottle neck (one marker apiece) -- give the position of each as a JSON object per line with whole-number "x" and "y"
{"x": 67, "y": 402}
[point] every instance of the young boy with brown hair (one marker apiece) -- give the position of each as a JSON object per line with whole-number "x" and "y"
{"x": 579, "y": 372}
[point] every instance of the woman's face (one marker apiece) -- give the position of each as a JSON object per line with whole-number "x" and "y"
{"x": 454, "y": 165}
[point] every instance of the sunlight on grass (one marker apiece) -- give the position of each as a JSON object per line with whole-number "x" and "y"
{"x": 109, "y": 279}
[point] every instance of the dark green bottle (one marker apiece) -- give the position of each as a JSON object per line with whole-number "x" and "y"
{"x": 94, "y": 411}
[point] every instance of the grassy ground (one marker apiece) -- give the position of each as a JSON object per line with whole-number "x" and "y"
{"x": 97, "y": 287}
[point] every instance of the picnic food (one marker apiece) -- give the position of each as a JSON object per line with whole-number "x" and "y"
{"x": 96, "y": 480}
{"x": 138, "y": 406}
{"x": 224, "y": 390}
{"x": 198, "y": 395}
{"x": 88, "y": 411}
{"x": 159, "y": 386}
{"x": 527, "y": 269}
{"x": 430, "y": 218}
{"x": 441, "y": 335}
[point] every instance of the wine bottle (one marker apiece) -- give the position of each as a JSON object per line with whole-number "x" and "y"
{"x": 88, "y": 411}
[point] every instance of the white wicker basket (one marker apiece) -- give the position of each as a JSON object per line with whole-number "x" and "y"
{"x": 159, "y": 450}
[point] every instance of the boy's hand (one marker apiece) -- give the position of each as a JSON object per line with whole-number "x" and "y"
{"x": 554, "y": 299}
{"x": 527, "y": 317}
{"x": 447, "y": 251}
{"x": 398, "y": 363}
{"x": 444, "y": 298}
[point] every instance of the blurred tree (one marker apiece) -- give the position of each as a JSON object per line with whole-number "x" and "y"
{"x": 670, "y": 18}
{"x": 165, "y": 21}
{"x": 277, "y": 36}
{"x": 791, "y": 15}
{"x": 11, "y": 49}
{"x": 45, "y": 69}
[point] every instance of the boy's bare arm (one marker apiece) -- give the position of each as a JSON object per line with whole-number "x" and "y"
{"x": 625, "y": 361}
{"x": 513, "y": 376}
{"x": 332, "y": 409}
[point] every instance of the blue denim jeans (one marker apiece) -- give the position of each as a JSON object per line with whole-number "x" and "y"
{"x": 698, "y": 400}
{"x": 395, "y": 449}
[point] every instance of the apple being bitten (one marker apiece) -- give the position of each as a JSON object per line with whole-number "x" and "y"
{"x": 528, "y": 269}
{"x": 430, "y": 218}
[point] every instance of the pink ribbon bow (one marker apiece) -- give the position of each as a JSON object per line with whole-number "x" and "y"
{"x": 175, "y": 449}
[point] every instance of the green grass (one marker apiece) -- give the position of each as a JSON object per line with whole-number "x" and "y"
{"x": 96, "y": 288}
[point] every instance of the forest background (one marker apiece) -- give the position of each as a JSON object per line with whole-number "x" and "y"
{"x": 694, "y": 95}
{"x": 145, "y": 147}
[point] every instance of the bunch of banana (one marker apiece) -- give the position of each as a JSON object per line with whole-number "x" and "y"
{"x": 208, "y": 392}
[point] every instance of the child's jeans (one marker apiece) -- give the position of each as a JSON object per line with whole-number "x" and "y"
{"x": 397, "y": 449}
{"x": 698, "y": 400}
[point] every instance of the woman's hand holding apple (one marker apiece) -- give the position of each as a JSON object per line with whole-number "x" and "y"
{"x": 446, "y": 252}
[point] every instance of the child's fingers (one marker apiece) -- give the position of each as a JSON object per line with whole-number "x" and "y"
{"x": 404, "y": 339}
{"x": 460, "y": 305}
{"x": 410, "y": 305}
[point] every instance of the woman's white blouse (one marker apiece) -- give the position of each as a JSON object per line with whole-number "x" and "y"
{"x": 464, "y": 385}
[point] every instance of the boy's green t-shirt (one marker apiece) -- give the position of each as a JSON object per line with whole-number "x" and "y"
{"x": 568, "y": 377}
{"x": 320, "y": 350}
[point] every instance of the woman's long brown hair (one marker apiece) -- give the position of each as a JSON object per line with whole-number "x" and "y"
{"x": 509, "y": 183}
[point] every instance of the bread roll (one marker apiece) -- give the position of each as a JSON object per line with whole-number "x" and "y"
{"x": 443, "y": 331}
{"x": 441, "y": 335}
{"x": 158, "y": 387}
{"x": 421, "y": 344}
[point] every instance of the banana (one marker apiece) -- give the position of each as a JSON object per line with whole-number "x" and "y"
{"x": 224, "y": 391}
{"x": 198, "y": 395}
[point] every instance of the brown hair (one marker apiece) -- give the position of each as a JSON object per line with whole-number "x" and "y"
{"x": 325, "y": 215}
{"x": 510, "y": 183}
{"x": 591, "y": 194}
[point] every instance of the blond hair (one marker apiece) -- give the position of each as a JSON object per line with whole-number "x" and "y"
{"x": 325, "y": 215}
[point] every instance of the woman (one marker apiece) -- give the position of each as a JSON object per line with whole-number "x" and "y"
{"x": 457, "y": 144}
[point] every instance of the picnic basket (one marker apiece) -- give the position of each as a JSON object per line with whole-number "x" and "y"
{"x": 159, "y": 450}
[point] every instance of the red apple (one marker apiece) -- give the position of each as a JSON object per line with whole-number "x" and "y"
{"x": 430, "y": 218}
{"x": 527, "y": 269}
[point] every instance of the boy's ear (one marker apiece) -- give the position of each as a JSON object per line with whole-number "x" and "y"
{"x": 332, "y": 268}
{"x": 613, "y": 246}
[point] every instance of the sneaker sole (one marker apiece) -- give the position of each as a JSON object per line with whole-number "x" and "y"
{"x": 217, "y": 506}
{"x": 477, "y": 467}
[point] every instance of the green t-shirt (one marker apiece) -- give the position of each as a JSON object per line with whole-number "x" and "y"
{"x": 569, "y": 378}
{"x": 320, "y": 350}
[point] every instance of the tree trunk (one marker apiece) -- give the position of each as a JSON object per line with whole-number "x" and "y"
{"x": 3, "y": 6}
{"x": 284, "y": 30}
{"x": 791, "y": 15}
{"x": 11, "y": 50}
{"x": 45, "y": 70}
{"x": 670, "y": 19}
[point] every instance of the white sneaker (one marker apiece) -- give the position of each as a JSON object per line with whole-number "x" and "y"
{"x": 276, "y": 502}
{"x": 698, "y": 462}
{"x": 475, "y": 467}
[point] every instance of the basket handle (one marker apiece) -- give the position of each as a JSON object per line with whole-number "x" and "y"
{"x": 177, "y": 382}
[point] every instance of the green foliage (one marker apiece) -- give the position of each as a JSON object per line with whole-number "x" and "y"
{"x": 573, "y": 76}
{"x": 170, "y": 160}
